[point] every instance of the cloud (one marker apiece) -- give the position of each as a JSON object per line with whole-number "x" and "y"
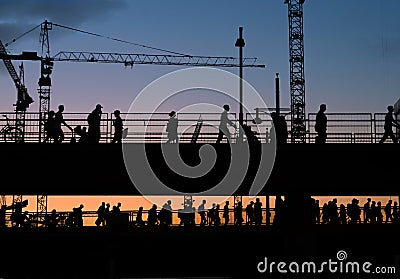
{"x": 17, "y": 17}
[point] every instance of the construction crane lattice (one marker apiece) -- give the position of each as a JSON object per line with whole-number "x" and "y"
{"x": 297, "y": 79}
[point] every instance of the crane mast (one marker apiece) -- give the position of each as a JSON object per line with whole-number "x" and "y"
{"x": 297, "y": 80}
{"x": 46, "y": 68}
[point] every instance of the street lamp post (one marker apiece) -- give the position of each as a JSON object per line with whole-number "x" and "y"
{"x": 240, "y": 44}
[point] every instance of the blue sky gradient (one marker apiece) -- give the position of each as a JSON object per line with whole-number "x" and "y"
{"x": 351, "y": 48}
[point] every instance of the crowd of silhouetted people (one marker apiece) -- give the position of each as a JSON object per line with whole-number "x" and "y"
{"x": 253, "y": 214}
{"x": 278, "y": 133}
{"x": 55, "y": 120}
{"x": 372, "y": 212}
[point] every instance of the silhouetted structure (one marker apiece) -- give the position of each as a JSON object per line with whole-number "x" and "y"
{"x": 250, "y": 135}
{"x": 50, "y": 127}
{"x": 172, "y": 128}
{"x": 82, "y": 133}
{"x": 93, "y": 120}
{"x": 389, "y": 123}
{"x": 321, "y": 125}
{"x": 279, "y": 130}
{"x": 224, "y": 121}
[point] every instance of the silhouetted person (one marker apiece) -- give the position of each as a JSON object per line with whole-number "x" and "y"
{"x": 258, "y": 212}
{"x": 202, "y": 212}
{"x": 333, "y": 212}
{"x": 238, "y": 214}
{"x": 223, "y": 128}
{"x": 379, "y": 215}
{"x": 280, "y": 207}
{"x": 58, "y": 121}
{"x": 321, "y": 124}
{"x": 17, "y": 217}
{"x": 317, "y": 212}
{"x": 250, "y": 213}
{"x": 211, "y": 215}
{"x": 325, "y": 213}
{"x": 107, "y": 214}
{"x": 342, "y": 214}
{"x": 217, "y": 218}
{"x": 367, "y": 211}
{"x": 225, "y": 214}
{"x": 388, "y": 212}
{"x": 94, "y": 119}
{"x": 373, "y": 213}
{"x": 395, "y": 213}
{"x": 165, "y": 214}
{"x": 78, "y": 216}
{"x": 172, "y": 128}
{"x": 389, "y": 123}
{"x": 100, "y": 214}
{"x": 118, "y": 127}
{"x": 354, "y": 212}
{"x": 267, "y": 136}
{"x": 3, "y": 211}
{"x": 53, "y": 220}
{"x": 139, "y": 217}
{"x": 116, "y": 209}
{"x": 152, "y": 219}
{"x": 50, "y": 127}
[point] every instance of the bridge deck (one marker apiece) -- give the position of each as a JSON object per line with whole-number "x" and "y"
{"x": 75, "y": 169}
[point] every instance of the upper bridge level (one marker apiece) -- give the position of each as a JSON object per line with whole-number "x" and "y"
{"x": 150, "y": 127}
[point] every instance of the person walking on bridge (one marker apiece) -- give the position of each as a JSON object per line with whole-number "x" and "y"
{"x": 58, "y": 120}
{"x": 389, "y": 123}
{"x": 224, "y": 121}
{"x": 321, "y": 125}
{"x": 94, "y": 119}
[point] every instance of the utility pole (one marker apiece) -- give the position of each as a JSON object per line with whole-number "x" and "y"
{"x": 277, "y": 93}
{"x": 240, "y": 44}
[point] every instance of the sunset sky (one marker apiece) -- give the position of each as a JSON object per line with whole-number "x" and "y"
{"x": 351, "y": 51}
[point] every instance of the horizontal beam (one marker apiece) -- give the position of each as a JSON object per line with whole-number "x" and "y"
{"x": 327, "y": 170}
{"x": 146, "y": 59}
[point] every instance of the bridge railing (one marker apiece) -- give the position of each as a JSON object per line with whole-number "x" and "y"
{"x": 147, "y": 127}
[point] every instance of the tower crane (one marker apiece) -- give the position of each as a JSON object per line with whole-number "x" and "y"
{"x": 297, "y": 80}
{"x": 23, "y": 98}
{"x": 47, "y": 63}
